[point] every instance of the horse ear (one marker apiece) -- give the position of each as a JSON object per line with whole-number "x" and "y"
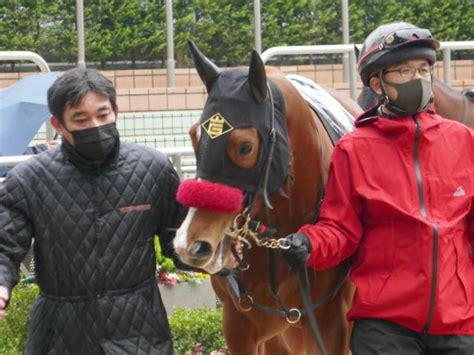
{"x": 357, "y": 52}
{"x": 206, "y": 69}
{"x": 257, "y": 78}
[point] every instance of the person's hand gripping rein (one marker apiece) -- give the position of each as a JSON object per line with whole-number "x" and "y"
{"x": 298, "y": 251}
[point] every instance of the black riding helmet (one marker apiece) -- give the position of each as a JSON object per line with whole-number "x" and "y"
{"x": 393, "y": 43}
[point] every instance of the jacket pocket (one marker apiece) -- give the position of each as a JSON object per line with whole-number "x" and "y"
{"x": 374, "y": 264}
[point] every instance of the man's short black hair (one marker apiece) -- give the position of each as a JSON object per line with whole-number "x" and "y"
{"x": 73, "y": 85}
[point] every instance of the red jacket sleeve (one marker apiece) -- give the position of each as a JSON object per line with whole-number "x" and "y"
{"x": 336, "y": 235}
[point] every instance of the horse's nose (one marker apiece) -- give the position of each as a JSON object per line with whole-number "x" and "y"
{"x": 200, "y": 250}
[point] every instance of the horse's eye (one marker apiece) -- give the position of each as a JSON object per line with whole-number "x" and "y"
{"x": 245, "y": 149}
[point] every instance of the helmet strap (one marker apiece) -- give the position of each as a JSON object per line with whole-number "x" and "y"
{"x": 382, "y": 87}
{"x": 385, "y": 99}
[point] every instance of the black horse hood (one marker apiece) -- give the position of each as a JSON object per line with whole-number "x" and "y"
{"x": 231, "y": 105}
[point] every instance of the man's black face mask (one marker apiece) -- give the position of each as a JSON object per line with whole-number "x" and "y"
{"x": 96, "y": 143}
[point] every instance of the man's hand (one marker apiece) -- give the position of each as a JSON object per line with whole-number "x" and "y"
{"x": 4, "y": 297}
{"x": 298, "y": 252}
{"x": 52, "y": 144}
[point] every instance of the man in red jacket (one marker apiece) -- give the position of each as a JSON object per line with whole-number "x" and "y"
{"x": 399, "y": 203}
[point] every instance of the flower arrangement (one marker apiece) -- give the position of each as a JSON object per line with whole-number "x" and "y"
{"x": 167, "y": 273}
{"x": 173, "y": 278}
{"x": 199, "y": 351}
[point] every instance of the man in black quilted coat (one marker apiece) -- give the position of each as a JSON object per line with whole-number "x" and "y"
{"x": 92, "y": 206}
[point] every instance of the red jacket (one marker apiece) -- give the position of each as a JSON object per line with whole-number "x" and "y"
{"x": 399, "y": 202}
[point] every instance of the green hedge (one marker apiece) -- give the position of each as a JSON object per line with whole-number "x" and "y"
{"x": 200, "y": 325}
{"x": 188, "y": 326}
{"x": 13, "y": 328}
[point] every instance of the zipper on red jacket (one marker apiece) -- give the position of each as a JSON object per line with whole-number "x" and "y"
{"x": 424, "y": 214}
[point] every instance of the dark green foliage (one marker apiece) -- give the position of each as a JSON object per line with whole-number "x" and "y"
{"x": 13, "y": 328}
{"x": 201, "y": 325}
{"x": 163, "y": 263}
{"x": 135, "y": 31}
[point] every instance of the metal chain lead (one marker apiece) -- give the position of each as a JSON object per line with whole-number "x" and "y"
{"x": 244, "y": 233}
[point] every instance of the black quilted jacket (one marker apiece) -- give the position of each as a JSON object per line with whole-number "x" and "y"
{"x": 93, "y": 234}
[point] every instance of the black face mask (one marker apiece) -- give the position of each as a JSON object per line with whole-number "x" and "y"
{"x": 96, "y": 143}
{"x": 413, "y": 96}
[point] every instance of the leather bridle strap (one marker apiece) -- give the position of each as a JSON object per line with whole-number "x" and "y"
{"x": 306, "y": 296}
{"x": 241, "y": 294}
{"x": 273, "y": 281}
{"x": 333, "y": 292}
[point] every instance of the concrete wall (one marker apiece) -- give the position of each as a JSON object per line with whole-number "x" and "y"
{"x": 145, "y": 90}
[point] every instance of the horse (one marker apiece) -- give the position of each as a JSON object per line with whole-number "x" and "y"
{"x": 449, "y": 103}
{"x": 262, "y": 160}
{"x": 453, "y": 104}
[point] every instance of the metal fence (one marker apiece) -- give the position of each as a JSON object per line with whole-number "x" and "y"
{"x": 156, "y": 129}
{"x": 348, "y": 49}
{"x": 166, "y": 131}
{"x": 181, "y": 157}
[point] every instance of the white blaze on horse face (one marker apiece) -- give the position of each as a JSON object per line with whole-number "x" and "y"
{"x": 180, "y": 242}
{"x": 211, "y": 229}
{"x": 181, "y": 245}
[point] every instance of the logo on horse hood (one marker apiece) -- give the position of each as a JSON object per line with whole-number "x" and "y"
{"x": 216, "y": 126}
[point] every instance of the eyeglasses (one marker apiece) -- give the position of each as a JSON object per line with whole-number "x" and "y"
{"x": 409, "y": 73}
{"x": 398, "y": 37}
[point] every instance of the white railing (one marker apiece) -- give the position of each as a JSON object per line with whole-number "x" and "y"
{"x": 174, "y": 153}
{"x": 319, "y": 49}
{"x": 446, "y": 47}
{"x": 25, "y": 55}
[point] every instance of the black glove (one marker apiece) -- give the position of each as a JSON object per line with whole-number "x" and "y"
{"x": 299, "y": 250}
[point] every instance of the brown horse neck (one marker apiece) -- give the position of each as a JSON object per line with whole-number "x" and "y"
{"x": 305, "y": 177}
{"x": 451, "y": 104}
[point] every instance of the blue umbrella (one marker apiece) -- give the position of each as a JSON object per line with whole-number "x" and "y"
{"x": 23, "y": 109}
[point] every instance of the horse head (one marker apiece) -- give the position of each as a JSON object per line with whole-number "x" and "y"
{"x": 242, "y": 152}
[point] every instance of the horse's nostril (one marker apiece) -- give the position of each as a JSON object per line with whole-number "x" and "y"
{"x": 200, "y": 249}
